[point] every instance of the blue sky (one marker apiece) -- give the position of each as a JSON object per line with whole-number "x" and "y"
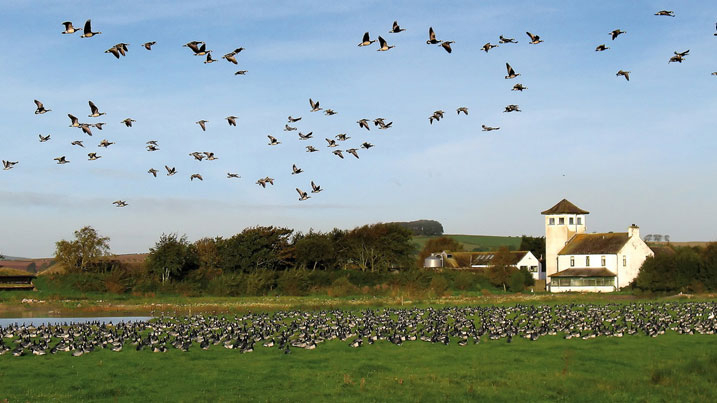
{"x": 629, "y": 152}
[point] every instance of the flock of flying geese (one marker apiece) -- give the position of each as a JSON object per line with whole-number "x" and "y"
{"x": 199, "y": 48}
{"x": 287, "y": 330}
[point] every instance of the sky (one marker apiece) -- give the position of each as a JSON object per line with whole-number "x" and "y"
{"x": 629, "y": 152}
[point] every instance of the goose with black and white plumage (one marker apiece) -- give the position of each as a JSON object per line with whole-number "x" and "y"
{"x": 87, "y": 30}
{"x": 272, "y": 140}
{"x": 383, "y": 45}
{"x": 366, "y": 145}
{"x": 332, "y": 142}
{"x": 74, "y": 122}
{"x": 305, "y": 136}
{"x": 170, "y": 171}
{"x": 601, "y": 48}
{"x": 296, "y": 170}
{"x": 293, "y": 119}
{"x": 69, "y": 29}
{"x": 153, "y": 172}
{"x": 395, "y": 28}
{"x": 315, "y": 188}
{"x": 95, "y": 111}
{"x": 7, "y": 165}
{"x": 93, "y": 156}
{"x": 61, "y": 160}
{"x": 231, "y": 175}
{"x": 118, "y": 203}
{"x": 519, "y": 87}
{"x": 363, "y": 123}
{"x": 623, "y": 73}
{"x": 511, "y": 73}
{"x": 40, "y": 108}
{"x": 534, "y": 39}
{"x": 338, "y": 153}
{"x": 302, "y": 195}
{"x": 463, "y": 109}
{"x": 314, "y": 105}
{"x": 614, "y": 34}
{"x": 44, "y": 138}
{"x": 202, "y": 124}
{"x": 196, "y": 176}
{"x": 489, "y": 128}
{"x": 488, "y": 46}
{"x": 366, "y": 40}
{"x": 128, "y": 122}
{"x": 288, "y": 128}
{"x": 148, "y": 45}
{"x": 502, "y": 39}
{"x": 432, "y": 37}
{"x": 105, "y": 143}
{"x": 311, "y": 149}
{"x": 353, "y": 151}
{"x": 232, "y": 120}
{"x": 342, "y": 137}
{"x": 665, "y": 13}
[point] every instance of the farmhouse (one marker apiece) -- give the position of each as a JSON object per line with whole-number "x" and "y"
{"x": 518, "y": 259}
{"x": 14, "y": 279}
{"x": 578, "y": 261}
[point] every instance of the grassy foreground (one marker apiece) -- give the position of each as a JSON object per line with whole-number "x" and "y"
{"x": 636, "y": 368}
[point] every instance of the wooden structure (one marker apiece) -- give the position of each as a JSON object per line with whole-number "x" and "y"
{"x": 13, "y": 279}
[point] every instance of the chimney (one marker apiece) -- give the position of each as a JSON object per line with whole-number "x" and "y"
{"x": 633, "y": 230}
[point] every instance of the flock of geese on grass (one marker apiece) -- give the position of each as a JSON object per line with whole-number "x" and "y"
{"x": 285, "y": 330}
{"x": 199, "y": 48}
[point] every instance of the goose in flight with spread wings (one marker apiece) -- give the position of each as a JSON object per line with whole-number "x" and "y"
{"x": 196, "y": 176}
{"x": 395, "y": 28}
{"x": 534, "y": 39}
{"x": 148, "y": 45}
{"x": 40, "y": 108}
{"x": 44, "y": 138}
{"x": 503, "y": 39}
{"x": 314, "y": 105}
{"x": 432, "y": 37}
{"x": 296, "y": 170}
{"x": 489, "y": 129}
{"x": 383, "y": 45}
{"x": 170, "y": 171}
{"x": 311, "y": 149}
{"x": 232, "y": 120}
{"x": 128, "y": 122}
{"x": 120, "y": 203}
{"x": 463, "y": 109}
{"x": 87, "y": 30}
{"x": 61, "y": 160}
{"x": 623, "y": 73}
{"x": 305, "y": 136}
{"x": 272, "y": 140}
{"x": 353, "y": 151}
{"x": 69, "y": 29}
{"x": 95, "y": 111}
{"x": 202, "y": 124}
{"x": 366, "y": 41}
{"x": 7, "y": 165}
{"x": 302, "y": 195}
{"x": 153, "y": 172}
{"x": 614, "y": 34}
{"x": 338, "y": 153}
{"x": 511, "y": 72}
{"x": 315, "y": 188}
{"x": 231, "y": 175}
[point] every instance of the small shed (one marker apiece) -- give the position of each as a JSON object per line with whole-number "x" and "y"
{"x": 14, "y": 279}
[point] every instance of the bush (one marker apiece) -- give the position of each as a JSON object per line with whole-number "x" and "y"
{"x": 293, "y": 282}
{"x": 464, "y": 281}
{"x": 342, "y": 287}
{"x": 260, "y": 282}
{"x": 439, "y": 285}
{"x": 228, "y": 285}
{"x": 517, "y": 282}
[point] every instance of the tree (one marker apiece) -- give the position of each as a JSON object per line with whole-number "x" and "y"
{"x": 438, "y": 245}
{"x": 208, "y": 253}
{"x": 377, "y": 247}
{"x": 501, "y": 268}
{"x": 315, "y": 250}
{"x": 83, "y": 253}
{"x": 257, "y": 248}
{"x": 172, "y": 257}
{"x": 422, "y": 227}
{"x": 534, "y": 244}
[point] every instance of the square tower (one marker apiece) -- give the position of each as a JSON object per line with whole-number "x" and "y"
{"x": 562, "y": 222}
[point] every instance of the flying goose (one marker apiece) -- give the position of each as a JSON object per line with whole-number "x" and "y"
{"x": 193, "y": 45}
{"x": 489, "y": 129}
{"x": 209, "y": 59}
{"x": 232, "y": 175}
{"x": 7, "y": 165}
{"x": 128, "y": 122}
{"x": 432, "y": 37}
{"x": 78, "y": 143}
{"x": 625, "y": 74}
{"x": 269, "y": 180}
{"x": 153, "y": 172}
{"x": 338, "y": 153}
{"x": 170, "y": 171}
{"x": 272, "y": 140}
{"x": 682, "y": 54}
{"x": 196, "y": 176}
{"x": 332, "y": 142}
{"x": 202, "y": 124}
{"x": 148, "y": 45}
{"x": 294, "y": 120}
{"x": 447, "y": 46}
{"x": 197, "y": 155}
{"x": 503, "y": 39}
{"x": 512, "y": 108}
{"x": 384, "y": 126}
{"x": 315, "y": 188}
{"x": 69, "y": 29}
{"x": 311, "y": 149}
{"x": 61, "y": 160}
{"x": 353, "y": 152}
{"x": 439, "y": 113}
{"x": 305, "y": 136}
{"x": 105, "y": 143}
{"x": 676, "y": 58}
{"x": 288, "y": 128}
{"x": 232, "y": 120}
{"x": 152, "y": 147}
{"x": 342, "y": 137}
{"x": 614, "y": 34}
{"x": 666, "y": 13}
{"x": 463, "y": 109}
{"x": 44, "y": 138}
{"x": 87, "y": 31}
{"x": 93, "y": 156}
{"x": 314, "y": 105}
{"x": 210, "y": 156}
{"x": 511, "y": 72}
{"x": 86, "y": 129}
{"x": 601, "y": 48}
{"x": 40, "y": 108}
{"x": 519, "y": 87}
{"x": 74, "y": 121}
{"x": 395, "y": 28}
{"x": 302, "y": 195}
{"x": 230, "y": 57}
{"x": 152, "y": 142}
{"x": 363, "y": 123}
{"x": 366, "y": 145}
{"x": 714, "y": 73}
{"x": 262, "y": 182}
{"x": 95, "y": 111}
{"x": 98, "y": 125}
{"x": 120, "y": 203}
{"x": 295, "y": 170}
{"x": 330, "y": 112}
{"x": 240, "y": 73}
{"x": 122, "y": 48}
{"x": 383, "y": 46}
{"x": 366, "y": 40}
{"x": 534, "y": 39}
{"x": 488, "y": 46}
{"x": 201, "y": 50}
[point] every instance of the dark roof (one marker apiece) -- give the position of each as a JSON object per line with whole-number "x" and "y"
{"x": 595, "y": 244}
{"x": 484, "y": 258}
{"x": 584, "y": 272}
{"x": 10, "y": 272}
{"x": 565, "y": 207}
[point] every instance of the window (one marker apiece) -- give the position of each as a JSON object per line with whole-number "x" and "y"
{"x": 561, "y": 221}
{"x": 580, "y": 221}
{"x": 587, "y": 261}
{"x": 584, "y": 281}
{"x": 602, "y": 261}
{"x": 570, "y": 220}
{"x": 572, "y": 261}
{"x": 551, "y": 221}
{"x": 523, "y": 267}
{"x": 533, "y": 269}
{"x": 624, "y": 260}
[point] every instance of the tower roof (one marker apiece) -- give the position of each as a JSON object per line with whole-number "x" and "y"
{"x": 565, "y": 207}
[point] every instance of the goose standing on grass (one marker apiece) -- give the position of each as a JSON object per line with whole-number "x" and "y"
{"x": 69, "y": 29}
{"x": 623, "y": 73}
{"x": 95, "y": 111}
{"x": 232, "y": 120}
{"x": 511, "y": 73}
{"x": 366, "y": 41}
{"x": 40, "y": 108}
{"x": 395, "y": 28}
{"x": 7, "y": 165}
{"x": 148, "y": 45}
{"x": 44, "y": 138}
{"x": 302, "y": 195}
{"x": 383, "y": 45}
{"x": 87, "y": 30}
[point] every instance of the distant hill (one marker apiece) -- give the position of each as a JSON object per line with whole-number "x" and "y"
{"x": 422, "y": 227}
{"x": 476, "y": 243}
{"x": 14, "y": 258}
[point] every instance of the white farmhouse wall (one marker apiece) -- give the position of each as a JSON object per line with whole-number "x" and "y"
{"x": 557, "y": 235}
{"x": 554, "y": 288}
{"x": 611, "y": 262}
{"x": 636, "y": 251}
{"x": 530, "y": 260}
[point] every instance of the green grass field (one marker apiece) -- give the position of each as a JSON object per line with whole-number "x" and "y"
{"x": 471, "y": 242}
{"x": 635, "y": 368}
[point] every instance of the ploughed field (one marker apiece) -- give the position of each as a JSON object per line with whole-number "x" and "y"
{"x": 641, "y": 351}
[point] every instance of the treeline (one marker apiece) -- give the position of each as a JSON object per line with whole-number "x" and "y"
{"x": 422, "y": 227}
{"x": 687, "y": 269}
